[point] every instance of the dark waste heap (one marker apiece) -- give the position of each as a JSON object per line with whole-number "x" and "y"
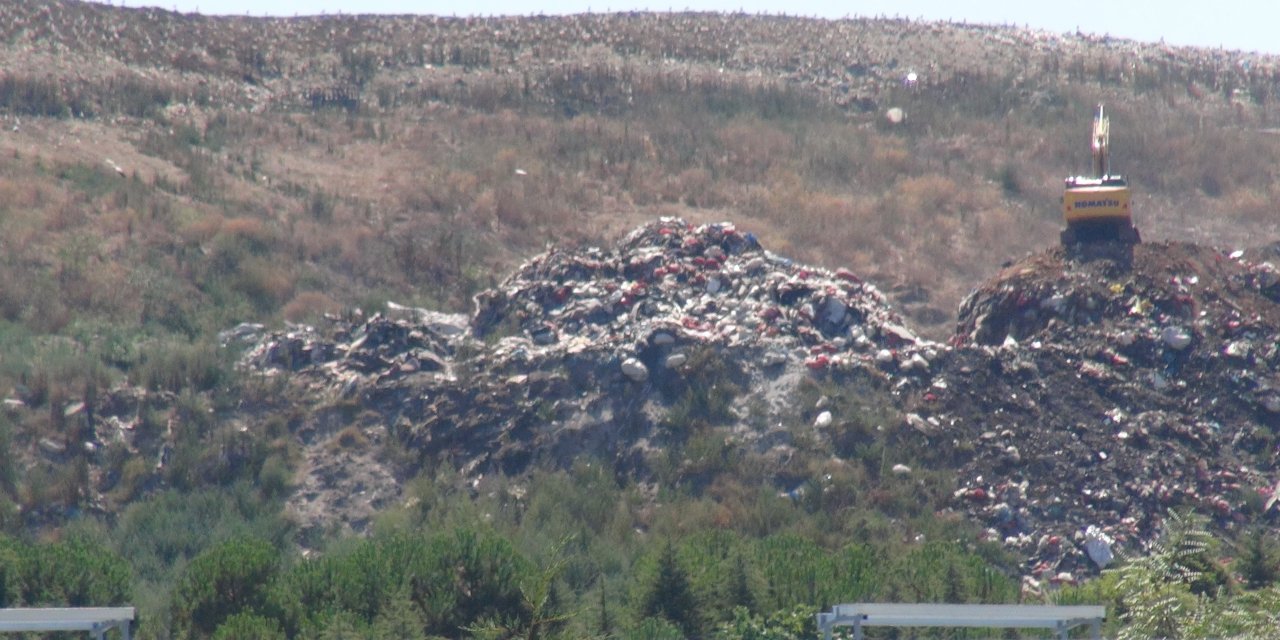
{"x": 1099, "y": 389}
{"x": 1083, "y": 396}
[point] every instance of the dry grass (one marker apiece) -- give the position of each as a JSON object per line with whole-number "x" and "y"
{"x": 309, "y": 306}
{"x": 252, "y": 183}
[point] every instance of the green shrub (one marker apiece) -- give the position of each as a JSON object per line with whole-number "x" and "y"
{"x": 175, "y": 365}
{"x": 702, "y": 394}
{"x": 162, "y": 533}
{"x": 455, "y": 580}
{"x": 654, "y": 628}
{"x": 32, "y": 96}
{"x": 228, "y": 579}
{"x": 8, "y": 463}
{"x": 247, "y": 626}
{"x": 77, "y": 572}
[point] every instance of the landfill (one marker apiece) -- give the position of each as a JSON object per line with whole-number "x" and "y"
{"x": 1084, "y": 395}
{"x": 1106, "y": 386}
{"x": 552, "y": 360}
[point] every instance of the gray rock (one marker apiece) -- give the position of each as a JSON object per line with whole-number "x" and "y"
{"x": 635, "y": 370}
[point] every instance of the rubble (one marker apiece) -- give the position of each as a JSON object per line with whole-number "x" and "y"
{"x": 1082, "y": 396}
{"x": 1130, "y": 383}
{"x": 577, "y": 343}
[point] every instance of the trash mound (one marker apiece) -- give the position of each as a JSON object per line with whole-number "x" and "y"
{"x": 670, "y": 284}
{"x": 584, "y": 351}
{"x": 1171, "y": 284}
{"x": 1084, "y": 395}
{"x": 1092, "y": 391}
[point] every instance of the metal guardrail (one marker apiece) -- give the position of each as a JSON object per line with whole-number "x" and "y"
{"x": 1061, "y": 619}
{"x": 96, "y": 620}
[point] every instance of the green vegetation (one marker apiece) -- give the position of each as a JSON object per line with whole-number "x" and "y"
{"x": 420, "y": 577}
{"x": 1179, "y": 590}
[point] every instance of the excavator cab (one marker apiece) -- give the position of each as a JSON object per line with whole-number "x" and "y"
{"x": 1096, "y": 208}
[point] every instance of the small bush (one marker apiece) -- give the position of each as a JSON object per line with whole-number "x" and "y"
{"x": 275, "y": 478}
{"x": 351, "y": 438}
{"x": 174, "y": 365}
{"x": 32, "y": 96}
{"x": 309, "y": 306}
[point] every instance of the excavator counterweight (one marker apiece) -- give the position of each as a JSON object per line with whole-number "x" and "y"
{"x": 1097, "y": 208}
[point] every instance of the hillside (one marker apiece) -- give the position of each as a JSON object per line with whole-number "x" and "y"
{"x": 350, "y": 142}
{"x": 627, "y": 279}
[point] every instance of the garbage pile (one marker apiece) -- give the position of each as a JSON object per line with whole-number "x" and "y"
{"x": 670, "y": 284}
{"x": 1104, "y": 387}
{"x": 577, "y": 342}
{"x": 1083, "y": 396}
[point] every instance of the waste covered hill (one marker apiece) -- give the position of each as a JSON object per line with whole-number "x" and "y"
{"x": 608, "y": 353}
{"x": 1103, "y": 386}
{"x": 1084, "y": 395}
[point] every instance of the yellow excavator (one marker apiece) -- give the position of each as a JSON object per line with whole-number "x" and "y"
{"x": 1097, "y": 208}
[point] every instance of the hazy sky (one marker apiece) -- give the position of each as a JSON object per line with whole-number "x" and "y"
{"x": 1248, "y": 25}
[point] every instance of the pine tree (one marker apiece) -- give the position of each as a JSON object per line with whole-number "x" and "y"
{"x": 606, "y": 622}
{"x": 740, "y": 586}
{"x": 1259, "y": 566}
{"x": 671, "y": 597}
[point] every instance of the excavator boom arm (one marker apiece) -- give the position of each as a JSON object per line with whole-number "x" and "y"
{"x": 1101, "y": 145}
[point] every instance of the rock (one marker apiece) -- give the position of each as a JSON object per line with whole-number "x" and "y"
{"x": 635, "y": 370}
{"x": 242, "y": 331}
{"x": 918, "y": 423}
{"x": 901, "y": 470}
{"x": 823, "y": 420}
{"x": 915, "y": 362}
{"x": 1176, "y": 337}
{"x": 662, "y": 338}
{"x": 52, "y": 447}
{"x": 898, "y": 334}
{"x": 676, "y": 360}
{"x": 834, "y": 312}
{"x": 1272, "y": 402}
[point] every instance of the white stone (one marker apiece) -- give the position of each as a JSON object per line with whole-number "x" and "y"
{"x": 823, "y": 420}
{"x": 1176, "y": 337}
{"x": 635, "y": 370}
